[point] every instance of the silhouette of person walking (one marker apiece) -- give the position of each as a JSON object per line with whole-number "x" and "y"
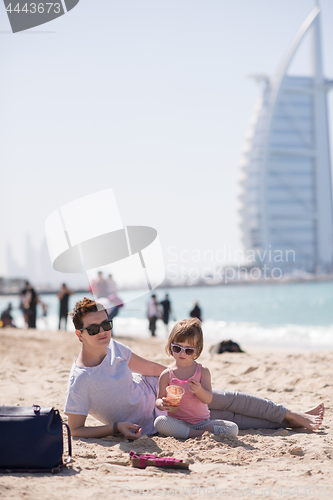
{"x": 167, "y": 311}
{"x": 29, "y": 301}
{"x": 153, "y": 314}
{"x": 196, "y": 312}
{"x": 63, "y": 296}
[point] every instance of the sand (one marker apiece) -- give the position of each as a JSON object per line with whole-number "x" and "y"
{"x": 278, "y": 464}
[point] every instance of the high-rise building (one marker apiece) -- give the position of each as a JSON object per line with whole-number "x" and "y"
{"x": 285, "y": 185}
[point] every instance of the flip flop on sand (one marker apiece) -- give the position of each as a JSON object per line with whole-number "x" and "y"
{"x": 142, "y": 461}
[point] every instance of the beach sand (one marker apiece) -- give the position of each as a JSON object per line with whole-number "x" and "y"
{"x": 277, "y": 464}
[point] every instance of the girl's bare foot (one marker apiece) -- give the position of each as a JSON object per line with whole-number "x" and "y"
{"x": 307, "y": 420}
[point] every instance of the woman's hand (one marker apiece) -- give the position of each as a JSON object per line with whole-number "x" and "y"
{"x": 131, "y": 431}
{"x": 162, "y": 404}
{"x": 79, "y": 429}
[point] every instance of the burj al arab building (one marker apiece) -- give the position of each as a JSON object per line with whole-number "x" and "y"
{"x": 285, "y": 180}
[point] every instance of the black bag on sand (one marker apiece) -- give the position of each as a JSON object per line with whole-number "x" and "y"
{"x": 225, "y": 346}
{"x": 31, "y": 439}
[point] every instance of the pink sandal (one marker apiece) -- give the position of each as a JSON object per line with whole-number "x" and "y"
{"x": 143, "y": 461}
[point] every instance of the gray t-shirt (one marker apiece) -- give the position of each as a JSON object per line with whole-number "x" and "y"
{"x": 110, "y": 392}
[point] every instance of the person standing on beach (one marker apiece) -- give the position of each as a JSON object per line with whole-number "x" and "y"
{"x": 100, "y": 286}
{"x": 111, "y": 285}
{"x": 63, "y": 296}
{"x": 196, "y": 312}
{"x": 29, "y": 301}
{"x": 107, "y": 289}
{"x": 113, "y": 297}
{"x": 153, "y": 314}
{"x": 166, "y": 304}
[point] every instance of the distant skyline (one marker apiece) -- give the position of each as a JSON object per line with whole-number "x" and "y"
{"x": 37, "y": 268}
{"x": 149, "y": 98}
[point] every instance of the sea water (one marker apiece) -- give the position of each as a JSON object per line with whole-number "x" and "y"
{"x": 296, "y": 315}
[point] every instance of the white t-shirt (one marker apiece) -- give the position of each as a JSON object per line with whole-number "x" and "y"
{"x": 152, "y": 308}
{"x": 110, "y": 392}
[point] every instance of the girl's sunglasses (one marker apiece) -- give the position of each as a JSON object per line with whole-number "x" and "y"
{"x": 94, "y": 329}
{"x": 178, "y": 348}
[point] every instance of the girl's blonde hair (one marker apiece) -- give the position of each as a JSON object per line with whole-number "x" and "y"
{"x": 186, "y": 329}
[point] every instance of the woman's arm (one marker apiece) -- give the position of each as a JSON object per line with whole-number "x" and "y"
{"x": 202, "y": 390}
{"x": 161, "y": 402}
{"x": 141, "y": 365}
{"x": 78, "y": 428}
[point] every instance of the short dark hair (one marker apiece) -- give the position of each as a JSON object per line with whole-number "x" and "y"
{"x": 186, "y": 329}
{"x": 84, "y": 307}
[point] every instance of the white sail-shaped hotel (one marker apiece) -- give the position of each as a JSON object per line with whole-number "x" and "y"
{"x": 285, "y": 180}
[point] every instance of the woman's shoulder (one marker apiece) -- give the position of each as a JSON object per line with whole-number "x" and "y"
{"x": 119, "y": 350}
{"x": 78, "y": 376}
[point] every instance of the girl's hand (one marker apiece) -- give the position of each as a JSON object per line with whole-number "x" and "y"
{"x": 131, "y": 431}
{"x": 194, "y": 386}
{"x": 162, "y": 404}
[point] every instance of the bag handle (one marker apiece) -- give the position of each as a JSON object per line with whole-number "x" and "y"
{"x": 69, "y": 458}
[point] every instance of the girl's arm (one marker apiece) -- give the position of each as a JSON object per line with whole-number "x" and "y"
{"x": 202, "y": 390}
{"x": 161, "y": 402}
{"x": 140, "y": 365}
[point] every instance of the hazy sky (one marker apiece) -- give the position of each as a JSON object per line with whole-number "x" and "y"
{"x": 148, "y": 97}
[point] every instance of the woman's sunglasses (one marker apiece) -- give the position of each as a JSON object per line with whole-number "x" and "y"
{"x": 94, "y": 329}
{"x": 178, "y": 348}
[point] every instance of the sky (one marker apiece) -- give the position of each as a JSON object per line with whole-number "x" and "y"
{"x": 148, "y": 97}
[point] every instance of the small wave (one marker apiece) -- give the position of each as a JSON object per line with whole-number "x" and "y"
{"x": 289, "y": 335}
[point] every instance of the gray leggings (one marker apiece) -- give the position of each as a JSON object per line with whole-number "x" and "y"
{"x": 248, "y": 412}
{"x": 180, "y": 429}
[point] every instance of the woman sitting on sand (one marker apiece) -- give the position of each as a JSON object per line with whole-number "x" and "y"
{"x": 104, "y": 383}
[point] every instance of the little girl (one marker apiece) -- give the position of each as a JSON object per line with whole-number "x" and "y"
{"x": 191, "y": 419}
